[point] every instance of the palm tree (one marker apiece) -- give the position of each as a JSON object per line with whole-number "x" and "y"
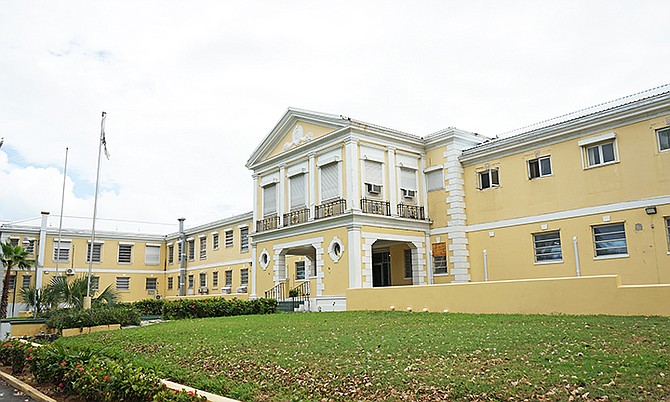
{"x": 40, "y": 300}
{"x": 72, "y": 293}
{"x": 12, "y": 257}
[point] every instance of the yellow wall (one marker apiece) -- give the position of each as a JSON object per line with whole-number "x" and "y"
{"x": 588, "y": 295}
{"x": 317, "y": 131}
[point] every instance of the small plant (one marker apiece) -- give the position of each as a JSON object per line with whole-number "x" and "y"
{"x": 15, "y": 354}
{"x": 168, "y": 395}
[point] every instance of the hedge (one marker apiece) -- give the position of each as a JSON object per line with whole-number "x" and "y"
{"x": 76, "y": 318}
{"x": 216, "y": 307}
{"x": 148, "y": 306}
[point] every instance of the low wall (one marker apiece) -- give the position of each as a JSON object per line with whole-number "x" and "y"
{"x": 585, "y": 295}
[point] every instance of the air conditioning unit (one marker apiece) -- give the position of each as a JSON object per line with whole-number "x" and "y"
{"x": 202, "y": 290}
{"x": 373, "y": 188}
{"x": 69, "y": 271}
{"x": 158, "y": 297}
{"x": 241, "y": 289}
{"x": 408, "y": 193}
{"x": 151, "y": 292}
{"x": 225, "y": 291}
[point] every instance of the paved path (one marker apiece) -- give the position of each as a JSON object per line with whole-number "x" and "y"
{"x": 8, "y": 393}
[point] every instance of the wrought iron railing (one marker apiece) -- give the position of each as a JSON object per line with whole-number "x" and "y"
{"x": 411, "y": 212}
{"x": 330, "y": 208}
{"x": 299, "y": 294}
{"x": 375, "y": 207}
{"x": 268, "y": 223}
{"x": 277, "y": 292}
{"x": 297, "y": 216}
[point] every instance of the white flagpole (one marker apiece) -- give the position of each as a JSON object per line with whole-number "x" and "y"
{"x": 62, "y": 202}
{"x": 87, "y": 301}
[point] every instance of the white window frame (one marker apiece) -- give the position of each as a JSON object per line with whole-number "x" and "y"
{"x": 228, "y": 279}
{"x": 170, "y": 283}
{"x": 371, "y": 183}
{"x": 298, "y": 269}
{"x": 122, "y": 283}
{"x": 268, "y": 210}
{"x": 598, "y": 142}
{"x": 215, "y": 279}
{"x": 25, "y": 281}
{"x": 434, "y": 171}
{"x": 539, "y": 251}
{"x": 229, "y": 238}
{"x": 29, "y": 245}
{"x": 100, "y": 245}
{"x": 170, "y": 253}
{"x": 203, "y": 279}
{"x": 151, "y": 283}
{"x": 95, "y": 283}
{"x": 65, "y": 245}
{"x": 667, "y": 228}
{"x": 597, "y": 242}
{"x": 147, "y": 254}
{"x": 202, "y": 247}
{"x": 191, "y": 281}
{"x": 409, "y": 194}
{"x": 130, "y": 253}
{"x": 541, "y": 172}
{"x": 215, "y": 240}
{"x": 244, "y": 239}
{"x": 190, "y": 249}
{"x": 489, "y": 173}
{"x": 244, "y": 273}
{"x": 666, "y": 131}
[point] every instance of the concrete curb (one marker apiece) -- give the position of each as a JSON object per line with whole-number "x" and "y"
{"x": 25, "y": 388}
{"x": 210, "y": 397}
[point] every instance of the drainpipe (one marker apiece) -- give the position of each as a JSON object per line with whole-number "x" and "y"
{"x": 40, "y": 253}
{"x": 486, "y": 267}
{"x": 182, "y": 258}
{"x": 574, "y": 244}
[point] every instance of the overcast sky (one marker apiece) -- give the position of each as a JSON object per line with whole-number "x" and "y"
{"x": 191, "y": 88}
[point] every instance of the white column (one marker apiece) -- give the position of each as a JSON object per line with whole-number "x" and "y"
{"x": 39, "y": 268}
{"x": 281, "y": 199}
{"x": 455, "y": 186}
{"x": 392, "y": 185}
{"x": 367, "y": 260}
{"x": 320, "y": 286}
{"x": 255, "y": 201}
{"x": 352, "y": 175}
{"x": 312, "y": 185}
{"x": 354, "y": 245}
{"x": 254, "y": 263}
{"x": 429, "y": 261}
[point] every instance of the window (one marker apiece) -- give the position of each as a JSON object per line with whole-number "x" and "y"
{"x": 270, "y": 199}
{"x": 488, "y": 178}
{"x": 170, "y": 253}
{"x": 330, "y": 181}
{"x": 229, "y": 279}
{"x": 547, "y": 247}
{"x": 312, "y": 268}
{"x": 191, "y": 249}
{"x": 97, "y": 252}
{"x": 215, "y": 279}
{"x": 62, "y": 253}
{"x": 297, "y": 189}
{"x": 125, "y": 253}
{"x": 14, "y": 241}
{"x": 663, "y": 139}
{"x": 180, "y": 250}
{"x": 95, "y": 282}
{"x": 434, "y": 180}
{"x": 215, "y": 241}
{"x": 151, "y": 283}
{"x": 229, "y": 238}
{"x": 203, "y": 247}
{"x": 408, "y": 183}
{"x": 122, "y": 283}
{"x": 244, "y": 239}
{"x": 244, "y": 276}
{"x": 600, "y": 154}
{"x": 667, "y": 226}
{"x": 439, "y": 258}
{"x": 152, "y": 254}
{"x": 12, "y": 282}
{"x": 539, "y": 167}
{"x": 373, "y": 178}
{"x": 170, "y": 283}
{"x": 25, "y": 284}
{"x": 29, "y": 245}
{"x": 610, "y": 240}
{"x": 408, "y": 264}
{"x": 190, "y": 281}
{"x": 203, "y": 279}
{"x": 300, "y": 270}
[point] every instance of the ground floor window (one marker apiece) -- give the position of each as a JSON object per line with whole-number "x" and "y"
{"x": 244, "y": 276}
{"x": 190, "y": 281}
{"x": 408, "y": 264}
{"x": 440, "y": 258}
{"x": 229, "y": 279}
{"x": 547, "y": 246}
{"x": 170, "y": 283}
{"x": 300, "y": 270}
{"x": 215, "y": 279}
{"x": 12, "y": 282}
{"x": 667, "y": 227}
{"x": 95, "y": 282}
{"x": 203, "y": 280}
{"x": 151, "y": 283}
{"x": 122, "y": 283}
{"x": 609, "y": 240}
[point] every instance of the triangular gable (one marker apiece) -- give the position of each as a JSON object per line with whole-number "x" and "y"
{"x": 296, "y": 127}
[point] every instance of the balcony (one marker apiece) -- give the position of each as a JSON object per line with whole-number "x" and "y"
{"x": 296, "y": 217}
{"x": 330, "y": 208}
{"x": 269, "y": 223}
{"x": 411, "y": 212}
{"x": 376, "y": 207}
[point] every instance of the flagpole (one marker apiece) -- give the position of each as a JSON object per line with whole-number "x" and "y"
{"x": 62, "y": 202}
{"x": 87, "y": 300}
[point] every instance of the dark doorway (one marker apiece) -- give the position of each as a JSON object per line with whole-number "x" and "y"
{"x": 381, "y": 269}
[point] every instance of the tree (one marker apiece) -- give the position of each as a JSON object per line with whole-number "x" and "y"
{"x": 72, "y": 293}
{"x": 13, "y": 257}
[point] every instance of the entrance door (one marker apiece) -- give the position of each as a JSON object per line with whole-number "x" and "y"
{"x": 381, "y": 269}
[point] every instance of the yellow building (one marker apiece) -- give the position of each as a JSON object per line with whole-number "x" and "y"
{"x": 351, "y": 215}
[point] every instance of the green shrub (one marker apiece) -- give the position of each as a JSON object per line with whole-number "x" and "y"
{"x": 149, "y": 306}
{"x": 15, "y": 354}
{"x": 104, "y": 315}
{"x": 216, "y": 307}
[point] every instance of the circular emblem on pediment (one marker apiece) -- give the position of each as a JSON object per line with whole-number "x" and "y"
{"x": 297, "y": 134}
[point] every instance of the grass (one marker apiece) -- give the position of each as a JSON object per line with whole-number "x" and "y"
{"x": 405, "y": 356}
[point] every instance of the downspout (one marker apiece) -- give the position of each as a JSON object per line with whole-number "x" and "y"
{"x": 486, "y": 267}
{"x": 39, "y": 267}
{"x": 574, "y": 244}
{"x": 182, "y": 258}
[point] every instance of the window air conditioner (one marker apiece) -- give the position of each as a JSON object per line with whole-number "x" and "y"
{"x": 69, "y": 271}
{"x": 151, "y": 292}
{"x": 408, "y": 193}
{"x": 373, "y": 188}
{"x": 202, "y": 290}
{"x": 225, "y": 291}
{"x": 241, "y": 289}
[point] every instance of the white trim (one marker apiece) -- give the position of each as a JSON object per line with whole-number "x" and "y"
{"x": 431, "y": 168}
{"x": 611, "y": 256}
{"x": 242, "y": 226}
{"x": 298, "y": 243}
{"x": 125, "y": 243}
{"x": 98, "y": 242}
{"x": 113, "y": 271}
{"x": 152, "y": 244}
{"x": 56, "y": 240}
{"x": 596, "y": 139}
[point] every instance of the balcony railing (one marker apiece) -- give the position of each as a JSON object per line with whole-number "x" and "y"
{"x": 375, "y": 207}
{"x": 411, "y": 212}
{"x": 277, "y": 292}
{"x": 268, "y": 223}
{"x": 295, "y": 217}
{"x": 330, "y": 208}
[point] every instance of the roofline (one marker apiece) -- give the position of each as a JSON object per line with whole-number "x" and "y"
{"x": 214, "y": 224}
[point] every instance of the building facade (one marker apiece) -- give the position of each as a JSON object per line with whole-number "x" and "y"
{"x": 339, "y": 205}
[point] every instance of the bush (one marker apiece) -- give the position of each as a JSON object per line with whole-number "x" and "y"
{"x": 15, "y": 354}
{"x": 149, "y": 306}
{"x": 75, "y": 318}
{"x": 216, "y": 307}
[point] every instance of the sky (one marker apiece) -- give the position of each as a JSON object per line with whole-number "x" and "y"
{"x": 191, "y": 88}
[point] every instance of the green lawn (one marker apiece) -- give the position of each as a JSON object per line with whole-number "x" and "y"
{"x": 405, "y": 356}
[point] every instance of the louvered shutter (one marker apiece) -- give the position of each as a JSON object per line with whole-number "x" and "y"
{"x": 269, "y": 199}
{"x": 434, "y": 180}
{"x": 373, "y": 172}
{"x": 330, "y": 181}
{"x": 297, "y": 184}
{"x": 408, "y": 179}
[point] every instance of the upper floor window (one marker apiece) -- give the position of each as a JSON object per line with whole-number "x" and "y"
{"x": 373, "y": 178}
{"x": 667, "y": 226}
{"x": 170, "y": 253}
{"x": 125, "y": 253}
{"x": 297, "y": 191}
{"x": 270, "y": 199}
{"x": 29, "y": 245}
{"x": 408, "y": 183}
{"x": 152, "y": 254}
{"x": 191, "y": 249}
{"x": 330, "y": 181}
{"x": 434, "y": 180}
{"x": 26, "y": 282}
{"x": 488, "y": 178}
{"x": 600, "y": 154}
{"x": 663, "y": 139}
{"x": 203, "y": 247}
{"x": 14, "y": 241}
{"x": 229, "y": 238}
{"x": 244, "y": 239}
{"x": 539, "y": 167}
{"x": 96, "y": 255}
{"x": 610, "y": 240}
{"x": 215, "y": 240}
{"x": 547, "y": 246}
{"x": 62, "y": 252}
